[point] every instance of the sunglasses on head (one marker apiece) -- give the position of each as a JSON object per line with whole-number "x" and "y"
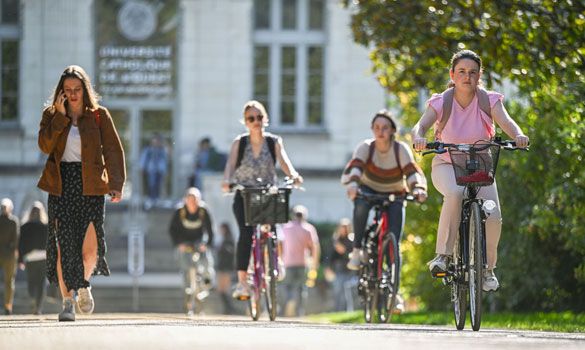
{"x": 252, "y": 118}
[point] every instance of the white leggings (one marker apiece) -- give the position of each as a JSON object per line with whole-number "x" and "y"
{"x": 444, "y": 181}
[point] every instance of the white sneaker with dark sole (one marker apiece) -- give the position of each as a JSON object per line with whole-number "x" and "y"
{"x": 490, "y": 281}
{"x": 85, "y": 301}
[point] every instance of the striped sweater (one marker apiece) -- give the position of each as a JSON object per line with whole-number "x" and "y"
{"x": 381, "y": 171}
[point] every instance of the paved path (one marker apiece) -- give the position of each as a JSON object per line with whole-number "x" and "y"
{"x": 174, "y": 331}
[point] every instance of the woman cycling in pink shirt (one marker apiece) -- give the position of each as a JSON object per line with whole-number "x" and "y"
{"x": 473, "y": 112}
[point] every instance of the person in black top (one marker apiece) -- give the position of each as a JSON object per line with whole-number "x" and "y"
{"x": 9, "y": 231}
{"x": 342, "y": 246}
{"x": 32, "y": 253}
{"x": 191, "y": 232}
{"x": 226, "y": 254}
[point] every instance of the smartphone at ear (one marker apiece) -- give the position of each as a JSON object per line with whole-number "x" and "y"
{"x": 65, "y": 102}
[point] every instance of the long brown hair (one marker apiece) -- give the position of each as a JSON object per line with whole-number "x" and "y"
{"x": 90, "y": 96}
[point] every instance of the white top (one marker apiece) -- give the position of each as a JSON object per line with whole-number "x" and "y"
{"x": 73, "y": 147}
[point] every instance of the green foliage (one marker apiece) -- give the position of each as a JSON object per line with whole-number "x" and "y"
{"x": 539, "y": 47}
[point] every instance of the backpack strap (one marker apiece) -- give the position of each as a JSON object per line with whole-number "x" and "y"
{"x": 371, "y": 151}
{"x": 271, "y": 141}
{"x": 447, "y": 106}
{"x": 482, "y": 99}
{"x": 484, "y": 102}
{"x": 241, "y": 149}
{"x": 397, "y": 155}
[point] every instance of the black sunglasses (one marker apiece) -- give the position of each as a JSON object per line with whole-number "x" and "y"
{"x": 251, "y": 118}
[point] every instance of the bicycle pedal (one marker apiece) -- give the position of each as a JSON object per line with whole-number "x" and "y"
{"x": 243, "y": 298}
{"x": 438, "y": 273}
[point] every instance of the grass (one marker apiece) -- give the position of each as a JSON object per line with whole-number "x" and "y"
{"x": 537, "y": 321}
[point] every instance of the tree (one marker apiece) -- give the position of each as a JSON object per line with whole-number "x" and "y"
{"x": 539, "y": 47}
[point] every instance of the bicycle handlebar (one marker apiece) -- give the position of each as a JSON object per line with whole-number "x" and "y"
{"x": 441, "y": 147}
{"x": 288, "y": 183}
{"x": 385, "y": 197}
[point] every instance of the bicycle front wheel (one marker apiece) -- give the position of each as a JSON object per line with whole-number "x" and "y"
{"x": 368, "y": 292}
{"x": 475, "y": 265}
{"x": 255, "y": 277}
{"x": 270, "y": 276}
{"x": 390, "y": 278}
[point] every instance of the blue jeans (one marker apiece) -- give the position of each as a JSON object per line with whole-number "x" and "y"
{"x": 361, "y": 212}
{"x": 154, "y": 181}
{"x": 342, "y": 290}
{"x": 294, "y": 288}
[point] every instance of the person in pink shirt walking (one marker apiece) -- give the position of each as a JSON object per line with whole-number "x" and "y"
{"x": 472, "y": 116}
{"x": 300, "y": 241}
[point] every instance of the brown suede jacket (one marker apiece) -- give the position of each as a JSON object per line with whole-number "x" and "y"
{"x": 103, "y": 168}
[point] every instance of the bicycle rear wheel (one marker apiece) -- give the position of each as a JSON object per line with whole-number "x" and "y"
{"x": 458, "y": 288}
{"x": 270, "y": 276}
{"x": 390, "y": 279}
{"x": 475, "y": 265}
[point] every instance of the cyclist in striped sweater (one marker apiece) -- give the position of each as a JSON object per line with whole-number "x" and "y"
{"x": 381, "y": 165}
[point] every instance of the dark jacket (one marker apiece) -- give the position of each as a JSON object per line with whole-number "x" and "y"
{"x": 189, "y": 228}
{"x": 103, "y": 168}
{"x": 225, "y": 256}
{"x": 9, "y": 227}
{"x": 33, "y": 235}
{"x": 339, "y": 261}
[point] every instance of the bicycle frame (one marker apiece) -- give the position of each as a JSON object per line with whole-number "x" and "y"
{"x": 263, "y": 208}
{"x": 375, "y": 282}
{"x": 198, "y": 288}
{"x": 259, "y": 241}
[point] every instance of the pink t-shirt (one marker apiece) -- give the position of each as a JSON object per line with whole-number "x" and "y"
{"x": 465, "y": 125}
{"x": 299, "y": 238}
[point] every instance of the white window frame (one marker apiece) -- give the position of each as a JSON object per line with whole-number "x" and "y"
{"x": 302, "y": 38}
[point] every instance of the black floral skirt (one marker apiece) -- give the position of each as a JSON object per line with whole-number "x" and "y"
{"x": 69, "y": 216}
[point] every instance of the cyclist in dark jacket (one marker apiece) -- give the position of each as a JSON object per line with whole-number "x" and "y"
{"x": 189, "y": 226}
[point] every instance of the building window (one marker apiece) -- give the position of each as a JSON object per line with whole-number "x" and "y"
{"x": 9, "y": 60}
{"x": 289, "y": 42}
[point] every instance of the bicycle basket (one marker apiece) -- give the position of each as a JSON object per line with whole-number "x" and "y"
{"x": 263, "y": 207}
{"x": 475, "y": 166}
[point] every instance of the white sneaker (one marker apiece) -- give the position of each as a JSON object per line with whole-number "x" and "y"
{"x": 355, "y": 258}
{"x": 85, "y": 300}
{"x": 398, "y": 305}
{"x": 241, "y": 292}
{"x": 490, "y": 281}
{"x": 68, "y": 313}
{"x": 439, "y": 263}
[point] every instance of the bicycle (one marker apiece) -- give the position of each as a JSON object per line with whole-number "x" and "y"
{"x": 200, "y": 277}
{"x": 475, "y": 167}
{"x": 264, "y": 207}
{"x": 379, "y": 276}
